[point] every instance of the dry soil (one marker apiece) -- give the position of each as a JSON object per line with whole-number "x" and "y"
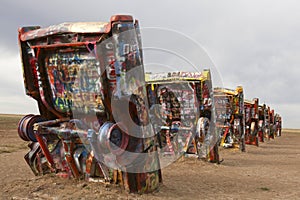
{"x": 270, "y": 171}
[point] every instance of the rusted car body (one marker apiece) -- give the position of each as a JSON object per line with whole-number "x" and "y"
{"x": 268, "y": 123}
{"x": 262, "y": 122}
{"x": 278, "y": 124}
{"x": 230, "y": 122}
{"x": 251, "y": 121}
{"x": 181, "y": 104}
{"x": 87, "y": 79}
{"x": 272, "y": 124}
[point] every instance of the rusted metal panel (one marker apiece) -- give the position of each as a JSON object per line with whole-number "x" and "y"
{"x": 67, "y": 27}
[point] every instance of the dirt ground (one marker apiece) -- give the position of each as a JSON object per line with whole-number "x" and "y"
{"x": 270, "y": 171}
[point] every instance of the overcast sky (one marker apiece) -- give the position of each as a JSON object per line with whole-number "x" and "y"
{"x": 253, "y": 43}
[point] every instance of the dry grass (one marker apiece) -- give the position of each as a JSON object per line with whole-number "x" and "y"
{"x": 290, "y": 130}
{"x": 10, "y": 142}
{"x": 12, "y": 148}
{"x": 9, "y": 121}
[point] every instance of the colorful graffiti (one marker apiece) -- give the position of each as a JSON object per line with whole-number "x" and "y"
{"x": 84, "y": 80}
{"x": 182, "y": 106}
{"x": 229, "y": 106}
{"x": 251, "y": 121}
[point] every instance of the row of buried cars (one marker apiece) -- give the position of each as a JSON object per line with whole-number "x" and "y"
{"x": 257, "y": 122}
{"x": 102, "y": 118}
{"x": 215, "y": 116}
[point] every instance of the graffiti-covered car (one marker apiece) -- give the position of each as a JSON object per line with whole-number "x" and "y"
{"x": 230, "y": 122}
{"x": 87, "y": 79}
{"x": 251, "y": 121}
{"x": 181, "y": 106}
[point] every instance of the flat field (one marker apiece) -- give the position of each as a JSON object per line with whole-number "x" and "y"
{"x": 270, "y": 171}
